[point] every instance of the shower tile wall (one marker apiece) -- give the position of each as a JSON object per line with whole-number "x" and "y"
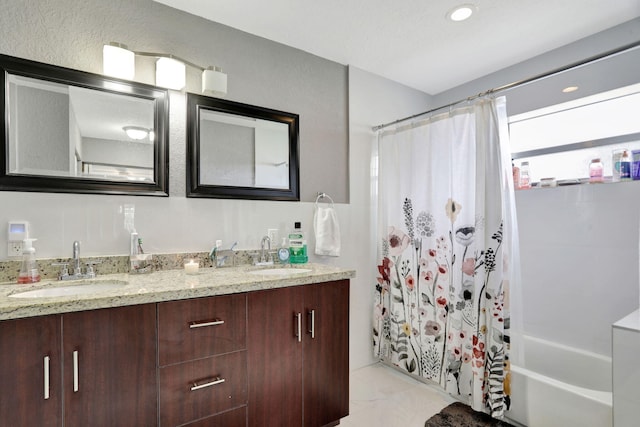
{"x": 579, "y": 254}
{"x": 626, "y": 372}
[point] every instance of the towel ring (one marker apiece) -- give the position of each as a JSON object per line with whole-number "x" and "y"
{"x": 323, "y": 196}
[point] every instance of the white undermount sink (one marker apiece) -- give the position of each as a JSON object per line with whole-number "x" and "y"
{"x": 279, "y": 271}
{"x": 82, "y": 288}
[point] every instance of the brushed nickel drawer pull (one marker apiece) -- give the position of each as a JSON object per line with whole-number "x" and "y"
{"x": 312, "y": 322}
{"x": 76, "y": 386}
{"x": 217, "y": 381}
{"x": 47, "y": 359}
{"x": 299, "y": 327}
{"x": 194, "y": 325}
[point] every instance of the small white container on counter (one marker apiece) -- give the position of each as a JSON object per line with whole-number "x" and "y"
{"x": 191, "y": 266}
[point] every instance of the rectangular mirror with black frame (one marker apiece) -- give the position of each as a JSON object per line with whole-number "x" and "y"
{"x": 71, "y": 131}
{"x": 241, "y": 151}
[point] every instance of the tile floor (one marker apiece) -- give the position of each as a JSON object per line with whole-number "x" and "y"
{"x": 381, "y": 396}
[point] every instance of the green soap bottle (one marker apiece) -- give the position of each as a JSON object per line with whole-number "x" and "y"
{"x": 297, "y": 246}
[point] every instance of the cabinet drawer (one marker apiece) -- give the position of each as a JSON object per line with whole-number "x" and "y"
{"x": 203, "y": 327}
{"x": 234, "y": 418}
{"x": 194, "y": 390}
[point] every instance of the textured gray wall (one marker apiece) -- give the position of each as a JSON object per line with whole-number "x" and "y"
{"x": 71, "y": 33}
{"x": 40, "y": 150}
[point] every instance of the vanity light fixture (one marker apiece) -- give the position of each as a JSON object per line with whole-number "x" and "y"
{"x": 118, "y": 61}
{"x": 171, "y": 73}
{"x": 136, "y": 133}
{"x": 170, "y": 70}
{"x": 214, "y": 82}
{"x": 461, "y": 12}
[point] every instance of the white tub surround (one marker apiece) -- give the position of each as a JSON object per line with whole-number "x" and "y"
{"x": 560, "y": 386}
{"x": 159, "y": 286}
{"x": 626, "y": 372}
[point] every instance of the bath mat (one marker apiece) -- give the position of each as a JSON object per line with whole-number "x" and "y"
{"x": 461, "y": 415}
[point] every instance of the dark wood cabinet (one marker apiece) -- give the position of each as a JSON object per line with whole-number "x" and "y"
{"x": 266, "y": 358}
{"x": 30, "y": 374}
{"x": 298, "y": 355}
{"x": 110, "y": 367}
{"x": 203, "y": 361}
{"x": 326, "y": 353}
{"x": 108, "y": 360}
{"x": 275, "y": 357}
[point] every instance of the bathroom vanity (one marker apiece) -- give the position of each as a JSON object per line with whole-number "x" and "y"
{"x": 226, "y": 347}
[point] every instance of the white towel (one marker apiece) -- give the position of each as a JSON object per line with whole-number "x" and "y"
{"x": 327, "y": 230}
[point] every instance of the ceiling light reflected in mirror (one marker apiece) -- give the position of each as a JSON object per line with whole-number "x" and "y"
{"x": 570, "y": 89}
{"x": 136, "y": 133}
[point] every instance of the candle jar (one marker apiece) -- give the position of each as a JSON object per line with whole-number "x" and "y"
{"x": 191, "y": 266}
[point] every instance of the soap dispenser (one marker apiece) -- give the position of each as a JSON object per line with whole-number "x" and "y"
{"x": 29, "y": 269}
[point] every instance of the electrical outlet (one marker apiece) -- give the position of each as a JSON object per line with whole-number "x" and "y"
{"x": 14, "y": 248}
{"x": 273, "y": 235}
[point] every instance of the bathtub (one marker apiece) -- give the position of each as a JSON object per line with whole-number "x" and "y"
{"x": 560, "y": 386}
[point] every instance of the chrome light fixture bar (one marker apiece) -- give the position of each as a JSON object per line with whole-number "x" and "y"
{"x": 118, "y": 61}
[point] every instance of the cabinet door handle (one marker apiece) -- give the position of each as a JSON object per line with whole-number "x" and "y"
{"x": 75, "y": 372}
{"x": 312, "y": 323}
{"x": 47, "y": 360}
{"x": 299, "y": 326}
{"x": 216, "y": 381}
{"x": 194, "y": 325}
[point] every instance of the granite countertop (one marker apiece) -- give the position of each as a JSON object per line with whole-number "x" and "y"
{"x": 158, "y": 286}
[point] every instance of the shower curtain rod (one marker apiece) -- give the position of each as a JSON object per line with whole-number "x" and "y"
{"x": 517, "y": 83}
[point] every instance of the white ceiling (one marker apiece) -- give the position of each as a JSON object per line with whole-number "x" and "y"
{"x": 410, "y": 41}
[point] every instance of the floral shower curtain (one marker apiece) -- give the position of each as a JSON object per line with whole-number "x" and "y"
{"x": 442, "y": 311}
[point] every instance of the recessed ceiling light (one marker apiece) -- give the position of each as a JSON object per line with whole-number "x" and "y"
{"x": 461, "y": 12}
{"x": 570, "y": 89}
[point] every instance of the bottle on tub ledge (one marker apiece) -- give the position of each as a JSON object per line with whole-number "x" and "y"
{"x": 297, "y": 245}
{"x": 625, "y": 166}
{"x": 525, "y": 179}
{"x": 596, "y": 171}
{"x": 516, "y": 176}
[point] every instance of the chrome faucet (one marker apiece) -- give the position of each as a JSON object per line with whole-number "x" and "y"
{"x": 77, "y": 270}
{"x": 263, "y": 254}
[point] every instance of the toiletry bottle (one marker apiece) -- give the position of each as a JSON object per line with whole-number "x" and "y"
{"x": 525, "y": 179}
{"x": 297, "y": 246}
{"x": 615, "y": 164}
{"x": 516, "y": 176}
{"x": 134, "y": 262}
{"x": 625, "y": 166}
{"x": 595, "y": 171}
{"x": 283, "y": 252}
{"x": 29, "y": 269}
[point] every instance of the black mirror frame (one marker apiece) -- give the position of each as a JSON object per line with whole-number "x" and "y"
{"x": 42, "y": 71}
{"x": 197, "y": 103}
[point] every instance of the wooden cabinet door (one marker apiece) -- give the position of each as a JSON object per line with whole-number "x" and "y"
{"x": 274, "y": 357}
{"x": 112, "y": 381}
{"x": 326, "y": 353}
{"x": 24, "y": 346}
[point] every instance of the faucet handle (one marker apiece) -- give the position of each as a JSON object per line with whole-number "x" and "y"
{"x": 64, "y": 271}
{"x": 90, "y": 271}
